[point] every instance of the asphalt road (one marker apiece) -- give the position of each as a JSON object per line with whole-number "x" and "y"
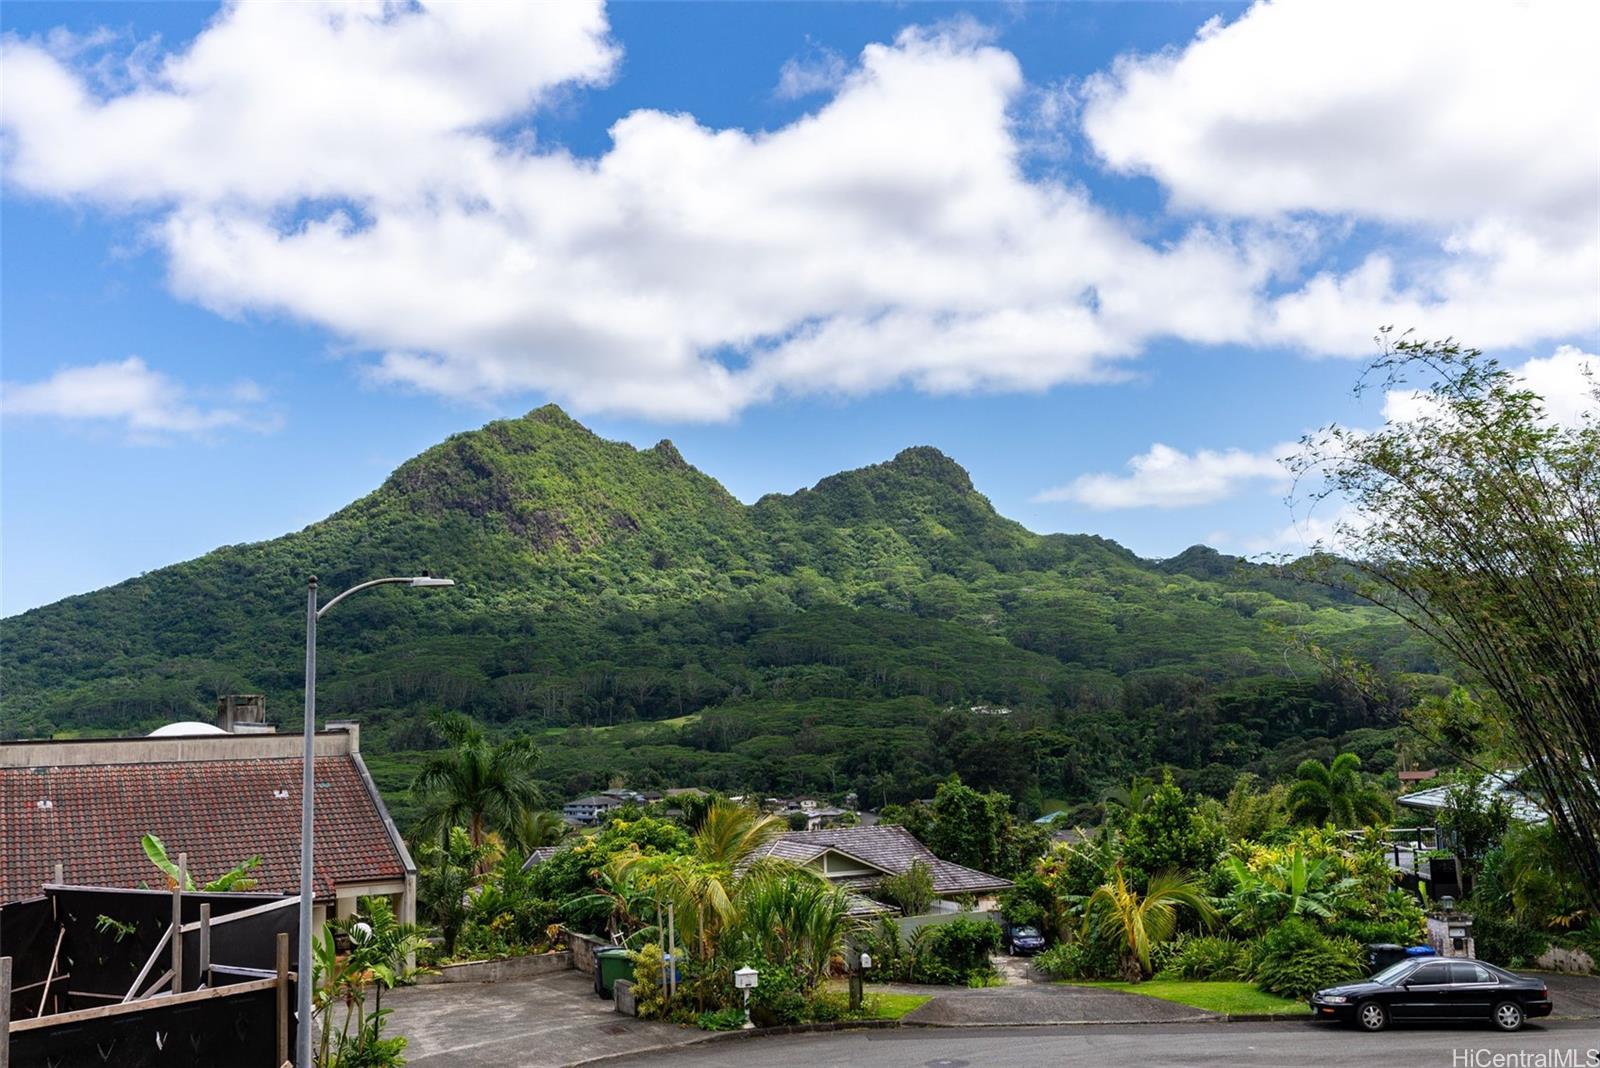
{"x": 1267, "y": 1045}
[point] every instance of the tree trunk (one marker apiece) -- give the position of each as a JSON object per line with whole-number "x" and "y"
{"x": 1131, "y": 972}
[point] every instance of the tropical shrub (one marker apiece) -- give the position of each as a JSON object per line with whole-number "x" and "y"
{"x": 1206, "y": 957}
{"x": 446, "y": 877}
{"x": 650, "y": 994}
{"x": 911, "y": 891}
{"x": 1507, "y": 942}
{"x": 1029, "y": 902}
{"x": 1283, "y": 885}
{"x": 791, "y": 914}
{"x": 955, "y": 952}
{"x": 780, "y": 996}
{"x": 1168, "y": 833}
{"x": 1079, "y": 959}
{"x": 1296, "y": 959}
{"x": 729, "y": 1019}
{"x": 1118, "y": 913}
{"x": 959, "y": 951}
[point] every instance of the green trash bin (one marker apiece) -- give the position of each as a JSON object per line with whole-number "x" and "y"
{"x": 610, "y": 964}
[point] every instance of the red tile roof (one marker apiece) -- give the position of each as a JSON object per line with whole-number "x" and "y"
{"x": 220, "y": 812}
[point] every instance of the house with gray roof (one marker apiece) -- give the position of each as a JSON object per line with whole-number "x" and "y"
{"x": 858, "y": 857}
{"x": 1505, "y": 785}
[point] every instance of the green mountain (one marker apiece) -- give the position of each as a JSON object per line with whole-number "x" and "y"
{"x": 604, "y": 586}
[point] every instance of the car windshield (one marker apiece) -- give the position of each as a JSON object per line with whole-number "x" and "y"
{"x": 1394, "y": 973}
{"x": 1027, "y": 932}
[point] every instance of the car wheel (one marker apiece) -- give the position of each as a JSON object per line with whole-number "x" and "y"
{"x": 1508, "y": 1016}
{"x": 1372, "y": 1016}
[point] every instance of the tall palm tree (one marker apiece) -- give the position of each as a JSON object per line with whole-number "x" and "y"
{"x": 1336, "y": 793}
{"x": 476, "y": 784}
{"x": 536, "y": 829}
{"x": 1119, "y": 913}
{"x": 728, "y": 834}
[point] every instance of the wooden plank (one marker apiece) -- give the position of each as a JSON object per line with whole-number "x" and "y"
{"x": 5, "y": 1012}
{"x": 166, "y": 977}
{"x": 177, "y": 923}
{"x": 254, "y": 910}
{"x": 103, "y": 1011}
{"x": 61, "y": 932}
{"x": 282, "y": 982}
{"x": 205, "y": 944}
{"x": 155, "y": 955}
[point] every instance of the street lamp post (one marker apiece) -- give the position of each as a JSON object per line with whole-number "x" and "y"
{"x": 307, "y": 788}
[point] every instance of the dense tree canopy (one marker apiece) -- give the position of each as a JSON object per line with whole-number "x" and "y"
{"x": 1477, "y": 520}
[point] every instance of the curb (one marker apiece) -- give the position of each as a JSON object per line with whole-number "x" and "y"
{"x": 888, "y": 1025}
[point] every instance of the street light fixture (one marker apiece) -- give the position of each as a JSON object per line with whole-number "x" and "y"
{"x": 308, "y": 787}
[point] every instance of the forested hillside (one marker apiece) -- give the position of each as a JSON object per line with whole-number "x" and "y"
{"x": 832, "y": 639}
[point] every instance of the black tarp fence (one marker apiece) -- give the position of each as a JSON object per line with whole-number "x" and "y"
{"x": 230, "y": 1027}
{"x": 103, "y": 959}
{"x": 107, "y": 938}
{"x": 24, "y": 927}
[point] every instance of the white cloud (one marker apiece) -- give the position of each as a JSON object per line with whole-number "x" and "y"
{"x": 1327, "y": 531}
{"x": 1566, "y": 380}
{"x": 370, "y": 169}
{"x": 1164, "y": 477}
{"x": 129, "y": 394}
{"x": 1473, "y": 134}
{"x": 821, "y": 70}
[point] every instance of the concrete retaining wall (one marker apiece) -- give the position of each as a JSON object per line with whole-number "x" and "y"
{"x": 1556, "y": 959}
{"x": 500, "y": 969}
{"x": 583, "y": 947}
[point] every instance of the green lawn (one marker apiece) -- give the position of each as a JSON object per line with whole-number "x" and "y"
{"x": 893, "y": 1006}
{"x": 1213, "y": 996}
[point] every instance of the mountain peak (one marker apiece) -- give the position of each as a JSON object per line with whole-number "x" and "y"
{"x": 925, "y": 461}
{"x": 554, "y": 415}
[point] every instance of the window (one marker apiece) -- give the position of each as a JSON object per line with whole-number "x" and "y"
{"x": 1467, "y": 972}
{"x": 1431, "y": 973}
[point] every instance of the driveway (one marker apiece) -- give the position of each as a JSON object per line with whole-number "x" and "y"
{"x": 535, "y": 1023}
{"x": 1575, "y": 996}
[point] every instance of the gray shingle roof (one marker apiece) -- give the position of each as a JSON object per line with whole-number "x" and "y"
{"x": 886, "y": 847}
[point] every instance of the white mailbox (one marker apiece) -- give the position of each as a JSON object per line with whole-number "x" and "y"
{"x": 744, "y": 978}
{"x": 866, "y": 961}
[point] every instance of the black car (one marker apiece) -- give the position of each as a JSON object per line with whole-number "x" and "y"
{"x": 1432, "y": 988}
{"x": 1023, "y": 940}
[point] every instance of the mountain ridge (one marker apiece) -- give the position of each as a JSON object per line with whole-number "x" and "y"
{"x": 616, "y": 583}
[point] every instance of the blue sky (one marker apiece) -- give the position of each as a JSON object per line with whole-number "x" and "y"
{"x": 254, "y": 259}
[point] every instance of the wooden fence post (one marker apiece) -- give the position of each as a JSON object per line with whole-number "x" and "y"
{"x": 5, "y": 1012}
{"x": 283, "y": 997}
{"x": 205, "y": 944}
{"x": 177, "y": 923}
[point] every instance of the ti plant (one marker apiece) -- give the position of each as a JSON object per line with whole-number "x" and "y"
{"x": 380, "y": 946}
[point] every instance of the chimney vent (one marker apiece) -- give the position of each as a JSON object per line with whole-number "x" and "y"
{"x": 234, "y": 709}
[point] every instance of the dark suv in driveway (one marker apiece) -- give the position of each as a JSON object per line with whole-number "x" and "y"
{"x": 1435, "y": 989}
{"x": 1023, "y": 940}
